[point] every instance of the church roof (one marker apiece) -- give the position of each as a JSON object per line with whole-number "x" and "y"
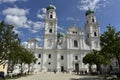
{"x": 32, "y": 40}
{"x": 51, "y": 7}
{"x": 74, "y": 28}
{"x": 89, "y": 12}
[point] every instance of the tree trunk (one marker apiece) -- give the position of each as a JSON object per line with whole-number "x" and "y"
{"x": 90, "y": 69}
{"x": 98, "y": 68}
{"x": 28, "y": 68}
{"x": 21, "y": 69}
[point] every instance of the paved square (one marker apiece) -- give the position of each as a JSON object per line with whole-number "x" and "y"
{"x": 58, "y": 76}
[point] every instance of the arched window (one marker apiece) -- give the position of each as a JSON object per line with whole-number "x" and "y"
{"x": 50, "y": 30}
{"x": 49, "y": 56}
{"x": 51, "y": 16}
{"x": 93, "y": 20}
{"x": 95, "y": 34}
{"x": 75, "y": 43}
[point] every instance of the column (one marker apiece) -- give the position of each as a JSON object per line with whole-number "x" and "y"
{"x": 44, "y": 58}
{"x": 58, "y": 62}
{"x": 68, "y": 62}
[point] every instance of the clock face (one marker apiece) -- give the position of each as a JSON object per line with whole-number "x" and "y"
{"x": 50, "y": 24}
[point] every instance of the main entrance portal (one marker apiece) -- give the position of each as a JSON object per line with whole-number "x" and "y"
{"x": 62, "y": 68}
{"x": 77, "y": 67}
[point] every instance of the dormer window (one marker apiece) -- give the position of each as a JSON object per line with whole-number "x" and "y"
{"x": 74, "y": 32}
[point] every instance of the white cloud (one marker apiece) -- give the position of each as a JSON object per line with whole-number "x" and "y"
{"x": 17, "y": 21}
{"x": 18, "y": 18}
{"x": 39, "y": 39}
{"x": 72, "y": 19}
{"x": 60, "y": 28}
{"x": 41, "y": 16}
{"x": 10, "y": 1}
{"x": 41, "y": 13}
{"x": 18, "y": 32}
{"x": 92, "y": 4}
{"x": 15, "y": 11}
{"x": 43, "y": 10}
{"x": 35, "y": 26}
{"x": 24, "y": 44}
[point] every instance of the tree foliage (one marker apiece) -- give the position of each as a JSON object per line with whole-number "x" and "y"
{"x": 95, "y": 58}
{"x": 8, "y": 41}
{"x": 10, "y": 48}
{"x": 110, "y": 43}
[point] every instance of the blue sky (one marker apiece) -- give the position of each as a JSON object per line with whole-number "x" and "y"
{"x": 28, "y": 15}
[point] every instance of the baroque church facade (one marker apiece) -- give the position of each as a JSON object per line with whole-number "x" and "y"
{"x": 64, "y": 52}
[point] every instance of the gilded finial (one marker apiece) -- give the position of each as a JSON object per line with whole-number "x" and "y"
{"x": 74, "y": 24}
{"x": 51, "y": 2}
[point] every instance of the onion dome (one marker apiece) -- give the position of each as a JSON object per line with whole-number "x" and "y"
{"x": 89, "y": 12}
{"x": 51, "y": 7}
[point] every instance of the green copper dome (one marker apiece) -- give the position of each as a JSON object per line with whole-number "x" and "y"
{"x": 89, "y": 12}
{"x": 51, "y": 7}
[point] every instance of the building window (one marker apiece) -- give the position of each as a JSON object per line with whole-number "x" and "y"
{"x": 51, "y": 16}
{"x": 74, "y": 32}
{"x": 50, "y": 30}
{"x": 39, "y": 63}
{"x": 62, "y": 57}
{"x": 93, "y": 20}
{"x": 75, "y": 43}
{"x": 95, "y": 34}
{"x": 39, "y": 56}
{"x": 76, "y": 57}
{"x": 49, "y": 63}
{"x": 49, "y": 56}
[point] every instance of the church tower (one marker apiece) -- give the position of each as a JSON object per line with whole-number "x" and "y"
{"x": 92, "y": 30}
{"x": 50, "y": 34}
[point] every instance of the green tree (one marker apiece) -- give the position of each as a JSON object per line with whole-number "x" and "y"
{"x": 88, "y": 60}
{"x": 30, "y": 58}
{"x": 25, "y": 57}
{"x": 95, "y": 58}
{"x": 8, "y": 40}
{"x": 110, "y": 44}
{"x": 10, "y": 48}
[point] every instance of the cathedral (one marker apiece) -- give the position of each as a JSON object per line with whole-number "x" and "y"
{"x": 64, "y": 52}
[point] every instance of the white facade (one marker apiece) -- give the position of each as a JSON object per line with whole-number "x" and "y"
{"x": 64, "y": 52}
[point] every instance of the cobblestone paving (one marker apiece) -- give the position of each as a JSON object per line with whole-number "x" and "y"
{"x": 58, "y": 76}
